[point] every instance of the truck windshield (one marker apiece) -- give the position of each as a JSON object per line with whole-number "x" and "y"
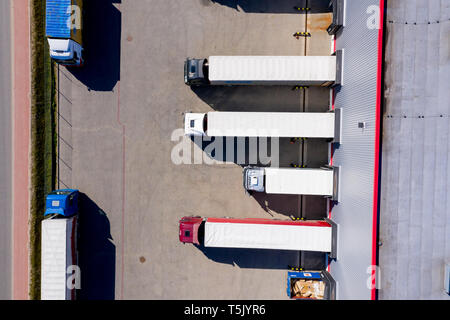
{"x": 60, "y": 192}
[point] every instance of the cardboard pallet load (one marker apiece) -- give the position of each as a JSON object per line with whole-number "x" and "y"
{"x": 310, "y": 289}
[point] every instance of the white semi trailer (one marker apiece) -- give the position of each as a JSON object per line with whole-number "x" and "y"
{"x": 265, "y": 124}
{"x": 320, "y": 182}
{"x": 58, "y": 246}
{"x": 319, "y": 236}
{"x": 59, "y": 252}
{"x": 264, "y": 70}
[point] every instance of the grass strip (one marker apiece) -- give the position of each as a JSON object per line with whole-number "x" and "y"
{"x": 43, "y": 133}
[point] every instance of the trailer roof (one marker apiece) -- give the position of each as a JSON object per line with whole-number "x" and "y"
{"x": 54, "y": 258}
{"x": 272, "y": 68}
{"x": 273, "y": 124}
{"x": 219, "y": 233}
{"x": 58, "y": 14}
{"x": 299, "y": 181}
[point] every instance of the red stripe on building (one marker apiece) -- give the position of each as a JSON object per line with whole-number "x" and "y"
{"x": 377, "y": 148}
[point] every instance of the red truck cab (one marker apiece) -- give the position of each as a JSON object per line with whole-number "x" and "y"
{"x": 189, "y": 227}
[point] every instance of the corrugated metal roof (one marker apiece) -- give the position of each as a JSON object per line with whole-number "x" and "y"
{"x": 357, "y": 97}
{"x": 57, "y": 18}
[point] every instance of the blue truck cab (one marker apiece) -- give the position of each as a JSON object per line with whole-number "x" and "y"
{"x": 62, "y": 202}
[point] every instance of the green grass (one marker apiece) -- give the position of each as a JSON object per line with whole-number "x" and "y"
{"x": 43, "y": 137}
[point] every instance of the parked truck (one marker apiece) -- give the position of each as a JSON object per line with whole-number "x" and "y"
{"x": 265, "y": 124}
{"x": 300, "y": 235}
{"x": 63, "y": 30}
{"x": 322, "y": 182}
{"x": 264, "y": 70}
{"x": 314, "y": 285}
{"x": 59, "y": 245}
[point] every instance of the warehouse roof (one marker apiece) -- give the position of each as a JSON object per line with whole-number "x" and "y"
{"x": 415, "y": 214}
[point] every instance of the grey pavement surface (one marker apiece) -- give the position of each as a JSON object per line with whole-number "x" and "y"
{"x": 117, "y": 117}
{"x": 415, "y": 215}
{"x": 5, "y": 153}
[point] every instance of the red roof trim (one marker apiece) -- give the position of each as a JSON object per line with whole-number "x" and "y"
{"x": 377, "y": 148}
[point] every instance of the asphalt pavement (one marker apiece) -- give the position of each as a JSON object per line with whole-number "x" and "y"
{"x": 5, "y": 151}
{"x": 117, "y": 117}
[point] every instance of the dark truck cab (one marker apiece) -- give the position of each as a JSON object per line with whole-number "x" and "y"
{"x": 196, "y": 72}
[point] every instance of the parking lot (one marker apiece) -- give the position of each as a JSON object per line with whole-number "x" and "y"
{"x": 118, "y": 115}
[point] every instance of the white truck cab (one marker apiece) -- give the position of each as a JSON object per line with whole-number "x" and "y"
{"x": 321, "y": 182}
{"x": 65, "y": 51}
{"x": 195, "y": 124}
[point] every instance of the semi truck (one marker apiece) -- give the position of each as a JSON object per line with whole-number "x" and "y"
{"x": 265, "y": 124}
{"x": 317, "y": 235}
{"x": 314, "y": 285}
{"x": 59, "y": 245}
{"x": 322, "y": 181}
{"x": 264, "y": 70}
{"x": 63, "y": 29}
